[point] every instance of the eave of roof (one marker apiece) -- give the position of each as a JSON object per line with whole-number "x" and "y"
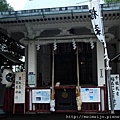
{"x": 10, "y": 57}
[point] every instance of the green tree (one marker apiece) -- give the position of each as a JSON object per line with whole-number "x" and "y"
{"x": 7, "y": 44}
{"x": 4, "y": 6}
{"x": 110, "y": 1}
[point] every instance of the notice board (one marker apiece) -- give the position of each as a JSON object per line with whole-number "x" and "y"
{"x": 19, "y": 91}
{"x": 115, "y": 83}
{"x": 90, "y": 94}
{"x": 41, "y": 96}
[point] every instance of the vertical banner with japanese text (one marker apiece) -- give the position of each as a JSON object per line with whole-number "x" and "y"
{"x": 95, "y": 14}
{"x": 115, "y": 81}
{"x": 19, "y": 91}
{"x": 97, "y": 23}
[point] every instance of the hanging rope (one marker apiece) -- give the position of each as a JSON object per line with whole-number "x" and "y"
{"x": 78, "y": 96}
{"x": 53, "y": 75}
{"x": 78, "y": 82}
{"x": 52, "y": 102}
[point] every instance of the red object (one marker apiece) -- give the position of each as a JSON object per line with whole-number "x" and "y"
{"x": 86, "y": 107}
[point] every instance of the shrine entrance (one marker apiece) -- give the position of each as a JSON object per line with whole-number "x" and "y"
{"x": 65, "y": 65}
{"x": 66, "y": 74}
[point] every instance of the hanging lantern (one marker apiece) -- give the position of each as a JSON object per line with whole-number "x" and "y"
{"x": 7, "y": 76}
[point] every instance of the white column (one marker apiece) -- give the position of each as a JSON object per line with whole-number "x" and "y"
{"x": 32, "y": 62}
{"x": 26, "y": 61}
{"x": 100, "y": 64}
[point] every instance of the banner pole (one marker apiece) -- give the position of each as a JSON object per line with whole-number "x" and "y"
{"x": 97, "y": 22}
{"x": 109, "y": 86}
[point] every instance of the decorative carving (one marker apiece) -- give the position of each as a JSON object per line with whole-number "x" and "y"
{"x": 90, "y": 28}
{"x": 109, "y": 36}
{"x": 64, "y": 31}
{"x": 30, "y": 32}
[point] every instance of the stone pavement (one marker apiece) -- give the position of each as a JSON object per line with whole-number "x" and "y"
{"x": 33, "y": 117}
{"x": 57, "y": 116}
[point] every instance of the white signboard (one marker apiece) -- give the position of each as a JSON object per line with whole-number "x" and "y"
{"x": 19, "y": 92}
{"x": 115, "y": 92}
{"x": 90, "y": 94}
{"x": 41, "y": 96}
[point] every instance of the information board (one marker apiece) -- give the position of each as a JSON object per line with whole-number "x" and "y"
{"x": 31, "y": 78}
{"x": 115, "y": 82}
{"x": 90, "y": 94}
{"x": 19, "y": 92}
{"x": 41, "y": 96}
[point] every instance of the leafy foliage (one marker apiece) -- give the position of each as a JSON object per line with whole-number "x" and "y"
{"x": 4, "y": 6}
{"x": 7, "y": 44}
{"x": 110, "y": 1}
